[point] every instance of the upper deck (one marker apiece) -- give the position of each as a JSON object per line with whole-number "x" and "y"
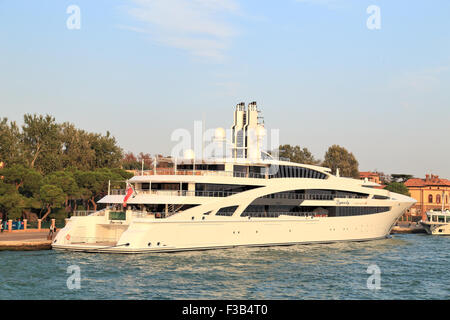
{"x": 232, "y": 168}
{"x": 438, "y": 216}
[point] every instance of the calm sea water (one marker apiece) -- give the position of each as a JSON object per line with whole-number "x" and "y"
{"x": 412, "y": 267}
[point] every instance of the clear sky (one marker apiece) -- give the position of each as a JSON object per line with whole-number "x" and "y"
{"x": 143, "y": 68}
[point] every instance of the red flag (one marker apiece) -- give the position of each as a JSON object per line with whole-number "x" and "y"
{"x": 128, "y": 195}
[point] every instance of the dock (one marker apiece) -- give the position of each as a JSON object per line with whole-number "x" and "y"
{"x": 25, "y": 241}
{"x": 408, "y": 227}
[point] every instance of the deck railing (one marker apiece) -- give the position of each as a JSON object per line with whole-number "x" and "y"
{"x": 171, "y": 171}
{"x": 177, "y": 193}
{"x": 84, "y": 213}
{"x": 185, "y": 193}
{"x": 287, "y": 213}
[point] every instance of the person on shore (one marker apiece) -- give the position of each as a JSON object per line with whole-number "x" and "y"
{"x": 1, "y": 227}
{"x": 50, "y": 232}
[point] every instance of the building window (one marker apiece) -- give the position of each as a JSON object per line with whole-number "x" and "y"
{"x": 438, "y": 198}
{"x": 430, "y": 198}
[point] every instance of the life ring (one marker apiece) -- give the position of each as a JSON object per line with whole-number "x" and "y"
{"x": 68, "y": 237}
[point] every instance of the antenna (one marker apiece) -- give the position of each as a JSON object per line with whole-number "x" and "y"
{"x": 203, "y": 135}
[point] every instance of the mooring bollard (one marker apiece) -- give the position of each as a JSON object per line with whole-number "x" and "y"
{"x": 9, "y": 225}
{"x": 39, "y": 224}
{"x": 25, "y": 221}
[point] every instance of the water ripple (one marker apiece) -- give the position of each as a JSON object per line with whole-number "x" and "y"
{"x": 412, "y": 267}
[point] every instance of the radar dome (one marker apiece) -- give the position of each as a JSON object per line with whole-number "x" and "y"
{"x": 261, "y": 131}
{"x": 189, "y": 154}
{"x": 219, "y": 134}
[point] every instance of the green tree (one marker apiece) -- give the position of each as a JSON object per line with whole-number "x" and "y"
{"x": 12, "y": 202}
{"x": 51, "y": 197}
{"x": 130, "y": 162}
{"x": 26, "y": 184}
{"x": 402, "y": 178}
{"x": 42, "y": 142}
{"x": 66, "y": 181}
{"x": 297, "y": 154}
{"x": 121, "y": 174}
{"x": 338, "y": 157}
{"x": 107, "y": 153}
{"x": 35, "y": 156}
{"x": 89, "y": 184}
{"x": 10, "y": 143}
{"x": 76, "y": 148}
{"x": 26, "y": 180}
{"x": 398, "y": 187}
{"x": 94, "y": 184}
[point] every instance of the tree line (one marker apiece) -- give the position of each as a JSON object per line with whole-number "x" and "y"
{"x": 42, "y": 144}
{"x": 50, "y": 168}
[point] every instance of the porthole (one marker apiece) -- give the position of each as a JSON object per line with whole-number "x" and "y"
{"x": 149, "y": 244}
{"x": 203, "y": 218}
{"x": 192, "y": 218}
{"x": 158, "y": 244}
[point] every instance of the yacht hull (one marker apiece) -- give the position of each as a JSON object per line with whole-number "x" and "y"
{"x": 439, "y": 229}
{"x": 164, "y": 235}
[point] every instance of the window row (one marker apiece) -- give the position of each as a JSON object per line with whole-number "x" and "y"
{"x": 274, "y": 211}
{"x": 294, "y": 172}
{"x": 315, "y": 194}
{"x": 438, "y": 198}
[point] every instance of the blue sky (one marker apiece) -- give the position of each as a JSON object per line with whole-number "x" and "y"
{"x": 143, "y": 68}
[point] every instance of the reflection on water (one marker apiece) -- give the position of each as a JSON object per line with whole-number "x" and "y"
{"x": 412, "y": 266}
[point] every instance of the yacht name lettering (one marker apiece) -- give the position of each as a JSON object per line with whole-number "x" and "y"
{"x": 199, "y": 310}
{"x": 342, "y": 202}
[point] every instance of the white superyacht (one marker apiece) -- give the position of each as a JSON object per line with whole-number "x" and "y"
{"x": 247, "y": 199}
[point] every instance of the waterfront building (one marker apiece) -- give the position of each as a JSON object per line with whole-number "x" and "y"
{"x": 430, "y": 193}
{"x": 371, "y": 176}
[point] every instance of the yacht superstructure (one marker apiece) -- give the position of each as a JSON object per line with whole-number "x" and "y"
{"x": 247, "y": 199}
